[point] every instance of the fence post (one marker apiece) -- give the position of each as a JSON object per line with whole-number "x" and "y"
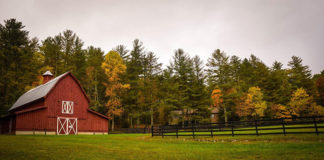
{"x": 193, "y": 130}
{"x": 232, "y": 125}
{"x": 283, "y": 126}
{"x": 162, "y": 131}
{"x": 211, "y": 130}
{"x": 152, "y": 130}
{"x": 45, "y": 131}
{"x": 256, "y": 127}
{"x": 33, "y": 131}
{"x": 177, "y": 130}
{"x": 315, "y": 125}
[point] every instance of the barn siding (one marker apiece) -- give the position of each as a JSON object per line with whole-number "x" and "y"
{"x": 93, "y": 123}
{"x": 67, "y": 90}
{"x": 35, "y": 120}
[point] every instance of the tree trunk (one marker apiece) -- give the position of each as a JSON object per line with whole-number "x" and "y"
{"x": 152, "y": 122}
{"x": 96, "y": 90}
{"x": 225, "y": 115}
{"x": 137, "y": 121}
{"x": 183, "y": 118}
{"x": 131, "y": 122}
{"x": 112, "y": 122}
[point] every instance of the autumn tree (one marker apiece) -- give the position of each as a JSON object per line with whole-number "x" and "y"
{"x": 301, "y": 104}
{"x": 114, "y": 67}
{"x": 279, "y": 111}
{"x": 217, "y": 101}
{"x": 252, "y": 104}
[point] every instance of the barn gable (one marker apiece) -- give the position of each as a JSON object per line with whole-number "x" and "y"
{"x": 42, "y": 91}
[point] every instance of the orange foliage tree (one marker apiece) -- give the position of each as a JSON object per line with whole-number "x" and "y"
{"x": 280, "y": 111}
{"x": 217, "y": 101}
{"x": 114, "y": 68}
{"x": 252, "y": 104}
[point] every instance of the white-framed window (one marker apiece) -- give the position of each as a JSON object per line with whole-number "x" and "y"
{"x": 67, "y": 107}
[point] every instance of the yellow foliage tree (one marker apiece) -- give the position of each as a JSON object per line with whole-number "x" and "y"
{"x": 301, "y": 104}
{"x": 114, "y": 68}
{"x": 252, "y": 104}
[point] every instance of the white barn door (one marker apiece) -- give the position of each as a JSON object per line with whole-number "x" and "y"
{"x": 67, "y": 126}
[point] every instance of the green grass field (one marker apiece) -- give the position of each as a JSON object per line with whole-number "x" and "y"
{"x": 143, "y": 146}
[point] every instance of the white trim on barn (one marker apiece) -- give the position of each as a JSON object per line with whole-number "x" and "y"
{"x": 67, "y": 107}
{"x": 66, "y": 125}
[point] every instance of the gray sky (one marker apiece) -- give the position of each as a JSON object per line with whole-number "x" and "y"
{"x": 272, "y": 30}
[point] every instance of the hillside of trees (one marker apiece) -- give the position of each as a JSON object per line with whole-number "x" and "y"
{"x": 129, "y": 83}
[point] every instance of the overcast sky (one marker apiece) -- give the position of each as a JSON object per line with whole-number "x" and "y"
{"x": 272, "y": 30}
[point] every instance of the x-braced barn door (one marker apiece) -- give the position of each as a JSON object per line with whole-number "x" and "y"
{"x": 67, "y": 125}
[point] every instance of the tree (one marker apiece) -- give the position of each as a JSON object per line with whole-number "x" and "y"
{"x": 300, "y": 75}
{"x": 64, "y": 53}
{"x": 18, "y": 62}
{"x": 114, "y": 67}
{"x": 217, "y": 100}
{"x": 223, "y": 73}
{"x": 133, "y": 73}
{"x": 199, "y": 97}
{"x": 279, "y": 111}
{"x": 301, "y": 104}
{"x": 277, "y": 86}
{"x": 123, "y": 52}
{"x": 94, "y": 78}
{"x": 151, "y": 69}
{"x": 51, "y": 48}
{"x": 219, "y": 70}
{"x": 252, "y": 104}
{"x": 181, "y": 69}
{"x": 319, "y": 82}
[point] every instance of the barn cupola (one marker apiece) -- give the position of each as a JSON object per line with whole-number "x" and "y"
{"x": 47, "y": 76}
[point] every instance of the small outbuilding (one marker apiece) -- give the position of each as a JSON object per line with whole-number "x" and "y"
{"x": 58, "y": 106}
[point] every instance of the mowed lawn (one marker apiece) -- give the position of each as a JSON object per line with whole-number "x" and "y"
{"x": 143, "y": 146}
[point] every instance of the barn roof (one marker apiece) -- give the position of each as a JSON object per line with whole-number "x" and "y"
{"x": 41, "y": 91}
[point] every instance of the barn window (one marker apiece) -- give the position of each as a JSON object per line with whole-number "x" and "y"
{"x": 67, "y": 107}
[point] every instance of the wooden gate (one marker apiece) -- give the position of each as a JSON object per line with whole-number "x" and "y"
{"x": 66, "y": 126}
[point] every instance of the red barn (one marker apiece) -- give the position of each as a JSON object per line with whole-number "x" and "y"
{"x": 58, "y": 106}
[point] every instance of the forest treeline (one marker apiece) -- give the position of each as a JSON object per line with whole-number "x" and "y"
{"x": 130, "y": 84}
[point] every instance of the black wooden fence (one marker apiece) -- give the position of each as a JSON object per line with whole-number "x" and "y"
{"x": 130, "y": 130}
{"x": 300, "y": 125}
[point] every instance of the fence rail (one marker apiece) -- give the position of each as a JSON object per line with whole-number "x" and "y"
{"x": 299, "y": 125}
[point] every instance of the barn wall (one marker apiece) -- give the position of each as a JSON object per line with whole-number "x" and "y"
{"x": 93, "y": 123}
{"x": 67, "y": 89}
{"x": 34, "y": 120}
